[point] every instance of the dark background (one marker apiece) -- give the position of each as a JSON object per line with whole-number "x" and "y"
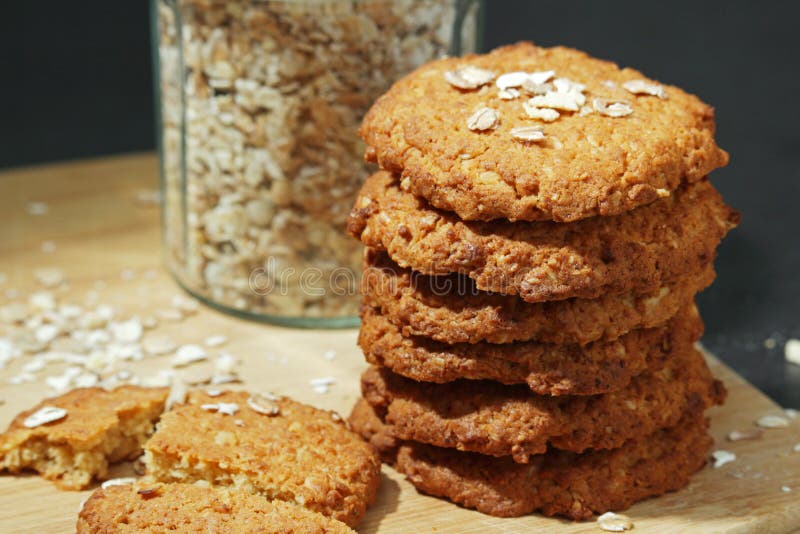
{"x": 76, "y": 82}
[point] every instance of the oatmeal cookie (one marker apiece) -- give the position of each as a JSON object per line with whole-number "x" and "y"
{"x": 270, "y": 446}
{"x": 157, "y": 508}
{"x": 585, "y": 163}
{"x": 71, "y": 439}
{"x": 499, "y": 420}
{"x": 450, "y": 309}
{"x": 554, "y": 483}
{"x": 547, "y": 369}
{"x": 639, "y": 251}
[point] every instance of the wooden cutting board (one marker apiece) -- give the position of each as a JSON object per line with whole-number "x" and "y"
{"x": 99, "y": 230}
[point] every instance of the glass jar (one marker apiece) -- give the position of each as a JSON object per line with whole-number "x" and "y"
{"x": 260, "y": 102}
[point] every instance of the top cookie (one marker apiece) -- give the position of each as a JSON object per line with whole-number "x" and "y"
{"x": 607, "y": 144}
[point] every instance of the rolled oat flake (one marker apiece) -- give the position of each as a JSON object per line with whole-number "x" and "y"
{"x": 44, "y": 415}
{"x": 483, "y": 119}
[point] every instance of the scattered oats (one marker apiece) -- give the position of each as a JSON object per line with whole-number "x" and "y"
{"x": 47, "y": 333}
{"x": 610, "y": 84}
{"x": 171, "y": 315}
{"x": 129, "y": 331}
{"x": 148, "y": 196}
{"x": 722, "y": 457}
{"x": 329, "y": 355}
{"x": 263, "y": 405}
{"x": 186, "y": 305}
{"x": 49, "y": 277}
{"x": 611, "y": 522}
{"x": 796, "y": 447}
{"x": 118, "y": 482}
{"x": 213, "y": 392}
{"x": 158, "y": 345}
{"x": 16, "y": 312}
{"x": 177, "y": 394}
{"x": 126, "y": 275}
{"x": 612, "y": 108}
{"x": 786, "y": 489}
{"x": 218, "y": 380}
{"x": 641, "y": 87}
{"x": 44, "y": 415}
{"x": 149, "y": 322}
{"x": 772, "y": 421}
{"x": 42, "y": 301}
{"x": 483, "y": 119}
{"x": 528, "y": 133}
{"x": 188, "y": 354}
{"x": 70, "y": 311}
{"x": 85, "y": 380}
{"x": 468, "y": 77}
{"x": 790, "y": 412}
{"x": 791, "y": 351}
{"x": 38, "y": 208}
{"x": 34, "y": 366}
{"x": 238, "y": 422}
{"x": 8, "y": 351}
{"x": 162, "y": 379}
{"x": 508, "y": 94}
{"x": 322, "y": 384}
{"x": 225, "y": 363}
{"x": 21, "y": 378}
{"x": 737, "y": 435}
{"x": 216, "y": 341}
{"x": 48, "y": 247}
{"x": 227, "y": 408}
{"x": 63, "y": 382}
{"x": 545, "y": 114}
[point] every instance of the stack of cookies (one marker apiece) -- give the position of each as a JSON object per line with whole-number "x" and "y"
{"x": 535, "y": 239}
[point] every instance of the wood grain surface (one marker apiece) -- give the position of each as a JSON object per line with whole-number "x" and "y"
{"x": 99, "y": 230}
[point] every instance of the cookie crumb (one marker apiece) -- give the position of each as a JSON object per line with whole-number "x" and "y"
{"x": 611, "y": 522}
{"x": 722, "y": 457}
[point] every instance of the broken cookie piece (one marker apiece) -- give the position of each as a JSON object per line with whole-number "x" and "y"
{"x": 272, "y": 446}
{"x": 151, "y": 508}
{"x": 72, "y": 439}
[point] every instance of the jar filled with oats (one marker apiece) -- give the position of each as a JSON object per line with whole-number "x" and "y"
{"x": 260, "y": 102}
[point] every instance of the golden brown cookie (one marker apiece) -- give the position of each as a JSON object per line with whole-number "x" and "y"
{"x": 499, "y": 420}
{"x": 157, "y": 508}
{"x": 89, "y": 428}
{"x": 555, "y": 483}
{"x": 547, "y": 369}
{"x": 448, "y": 308}
{"x": 641, "y": 250}
{"x": 274, "y": 447}
{"x": 588, "y": 162}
